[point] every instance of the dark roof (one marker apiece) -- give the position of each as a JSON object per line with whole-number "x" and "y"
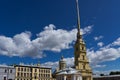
{"x": 32, "y": 66}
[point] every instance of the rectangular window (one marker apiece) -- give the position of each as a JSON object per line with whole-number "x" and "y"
{"x": 21, "y": 74}
{"x": 18, "y": 74}
{"x": 10, "y": 71}
{"x": 24, "y": 69}
{"x": 27, "y": 74}
{"x": 21, "y": 69}
{"x": 5, "y": 71}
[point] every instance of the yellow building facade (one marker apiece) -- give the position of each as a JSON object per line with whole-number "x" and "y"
{"x": 32, "y": 73}
{"x": 80, "y": 55}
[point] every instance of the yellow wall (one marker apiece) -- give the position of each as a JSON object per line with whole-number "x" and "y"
{"x": 33, "y": 73}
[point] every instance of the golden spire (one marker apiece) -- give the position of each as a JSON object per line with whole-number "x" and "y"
{"x": 79, "y": 35}
{"x": 78, "y": 16}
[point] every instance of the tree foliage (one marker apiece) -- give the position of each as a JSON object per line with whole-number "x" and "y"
{"x": 114, "y": 73}
{"x": 101, "y": 74}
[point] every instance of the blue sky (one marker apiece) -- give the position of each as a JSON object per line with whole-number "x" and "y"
{"x": 45, "y": 30}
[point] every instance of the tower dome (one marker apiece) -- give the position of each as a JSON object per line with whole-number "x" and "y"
{"x": 62, "y": 63}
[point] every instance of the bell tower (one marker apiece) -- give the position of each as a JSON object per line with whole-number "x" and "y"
{"x": 80, "y": 56}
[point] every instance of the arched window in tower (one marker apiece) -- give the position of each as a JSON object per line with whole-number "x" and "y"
{"x": 83, "y": 57}
{"x": 83, "y": 66}
{"x": 82, "y": 47}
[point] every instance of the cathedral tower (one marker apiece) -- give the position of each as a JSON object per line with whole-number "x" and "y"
{"x": 81, "y": 61}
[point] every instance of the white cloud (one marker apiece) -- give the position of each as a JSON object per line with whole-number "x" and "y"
{"x": 55, "y": 40}
{"x": 100, "y": 44}
{"x": 19, "y": 45}
{"x": 54, "y": 65}
{"x": 49, "y": 39}
{"x": 107, "y": 53}
{"x": 98, "y": 38}
{"x": 98, "y": 66}
{"x": 86, "y": 30}
{"x": 116, "y": 43}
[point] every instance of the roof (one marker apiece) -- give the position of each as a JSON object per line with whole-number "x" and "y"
{"x": 5, "y": 66}
{"x": 32, "y": 66}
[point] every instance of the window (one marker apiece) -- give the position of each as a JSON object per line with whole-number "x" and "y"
{"x": 28, "y": 69}
{"x": 35, "y": 77}
{"x": 21, "y": 74}
{"x": 5, "y": 71}
{"x": 18, "y": 74}
{"x": 24, "y": 69}
{"x": 5, "y": 78}
{"x": 27, "y": 74}
{"x": 41, "y": 70}
{"x": 21, "y": 69}
{"x": 83, "y": 57}
{"x": 83, "y": 66}
{"x": 82, "y": 48}
{"x": 10, "y": 71}
{"x": 24, "y": 74}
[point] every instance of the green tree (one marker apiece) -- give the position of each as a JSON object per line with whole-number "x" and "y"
{"x": 101, "y": 74}
{"x": 111, "y": 73}
{"x": 114, "y": 73}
